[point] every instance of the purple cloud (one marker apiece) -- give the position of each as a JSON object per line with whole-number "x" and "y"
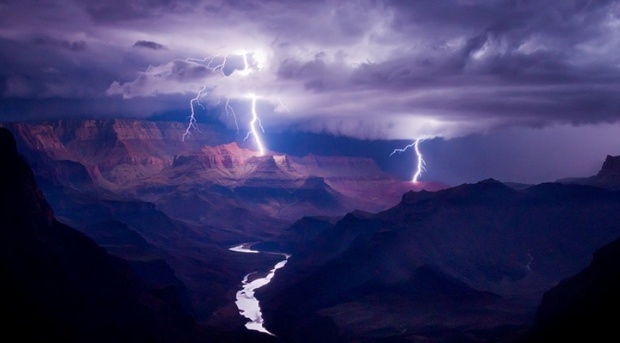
{"x": 368, "y": 69}
{"x": 149, "y": 45}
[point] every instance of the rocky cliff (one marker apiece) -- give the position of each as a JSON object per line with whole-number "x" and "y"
{"x": 113, "y": 152}
{"x": 582, "y": 307}
{"x": 58, "y": 285}
{"x": 609, "y": 175}
{"x": 466, "y": 264}
{"x": 152, "y": 161}
{"x": 146, "y": 194}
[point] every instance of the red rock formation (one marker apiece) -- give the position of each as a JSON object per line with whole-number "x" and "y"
{"x": 115, "y": 151}
{"x": 133, "y": 158}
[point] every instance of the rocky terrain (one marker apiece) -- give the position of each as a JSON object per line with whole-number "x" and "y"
{"x": 373, "y": 258}
{"x": 608, "y": 177}
{"x": 152, "y": 161}
{"x": 582, "y": 306}
{"x": 466, "y": 264}
{"x": 57, "y": 284}
{"x": 147, "y": 193}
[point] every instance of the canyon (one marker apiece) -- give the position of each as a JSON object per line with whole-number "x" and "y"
{"x": 162, "y": 200}
{"x": 372, "y": 257}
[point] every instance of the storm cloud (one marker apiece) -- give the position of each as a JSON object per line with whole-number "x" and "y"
{"x": 149, "y": 45}
{"x": 366, "y": 69}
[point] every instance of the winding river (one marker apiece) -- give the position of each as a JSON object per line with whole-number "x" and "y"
{"x": 246, "y": 302}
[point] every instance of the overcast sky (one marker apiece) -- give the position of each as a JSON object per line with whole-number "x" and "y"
{"x": 363, "y": 69}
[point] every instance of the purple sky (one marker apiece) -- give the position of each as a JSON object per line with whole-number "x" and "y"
{"x": 538, "y": 78}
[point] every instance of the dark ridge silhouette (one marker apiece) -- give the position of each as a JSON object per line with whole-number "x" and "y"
{"x": 58, "y": 285}
{"x": 608, "y": 177}
{"x": 464, "y": 264}
{"x": 583, "y": 307}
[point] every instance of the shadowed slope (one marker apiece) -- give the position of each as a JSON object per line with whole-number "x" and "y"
{"x": 584, "y": 306}
{"x": 57, "y": 284}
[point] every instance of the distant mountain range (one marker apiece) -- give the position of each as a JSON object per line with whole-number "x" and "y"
{"x": 608, "y": 177}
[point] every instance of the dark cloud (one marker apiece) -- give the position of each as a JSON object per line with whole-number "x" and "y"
{"x": 149, "y": 45}
{"x": 364, "y": 68}
{"x": 92, "y": 108}
{"x": 112, "y": 11}
{"x": 367, "y": 68}
{"x": 79, "y": 45}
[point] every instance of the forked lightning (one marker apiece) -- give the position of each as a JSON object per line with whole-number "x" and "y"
{"x": 421, "y": 163}
{"x": 213, "y": 64}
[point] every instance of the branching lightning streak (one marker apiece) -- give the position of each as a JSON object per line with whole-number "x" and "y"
{"x": 253, "y": 131}
{"x": 196, "y": 99}
{"x": 421, "y": 163}
{"x": 231, "y": 112}
{"x": 210, "y": 63}
{"x": 255, "y": 119}
{"x": 283, "y": 106}
{"x": 192, "y": 116}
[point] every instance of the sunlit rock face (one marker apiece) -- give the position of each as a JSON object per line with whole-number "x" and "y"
{"x": 144, "y": 160}
{"x": 114, "y": 152}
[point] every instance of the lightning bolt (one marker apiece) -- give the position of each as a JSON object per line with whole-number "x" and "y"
{"x": 231, "y": 112}
{"x": 253, "y": 131}
{"x": 283, "y": 106}
{"x": 421, "y": 163}
{"x": 217, "y": 63}
{"x": 210, "y": 60}
{"x": 192, "y": 116}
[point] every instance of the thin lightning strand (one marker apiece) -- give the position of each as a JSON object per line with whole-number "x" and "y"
{"x": 231, "y": 112}
{"x": 245, "y": 63}
{"x": 253, "y": 130}
{"x": 283, "y": 106}
{"x": 209, "y": 62}
{"x": 421, "y": 163}
{"x": 192, "y": 116}
{"x": 220, "y": 66}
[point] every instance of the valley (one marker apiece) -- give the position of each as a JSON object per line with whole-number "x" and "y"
{"x": 147, "y": 195}
{"x": 372, "y": 258}
{"x": 364, "y": 171}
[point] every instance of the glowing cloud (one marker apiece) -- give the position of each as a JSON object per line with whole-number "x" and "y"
{"x": 375, "y": 70}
